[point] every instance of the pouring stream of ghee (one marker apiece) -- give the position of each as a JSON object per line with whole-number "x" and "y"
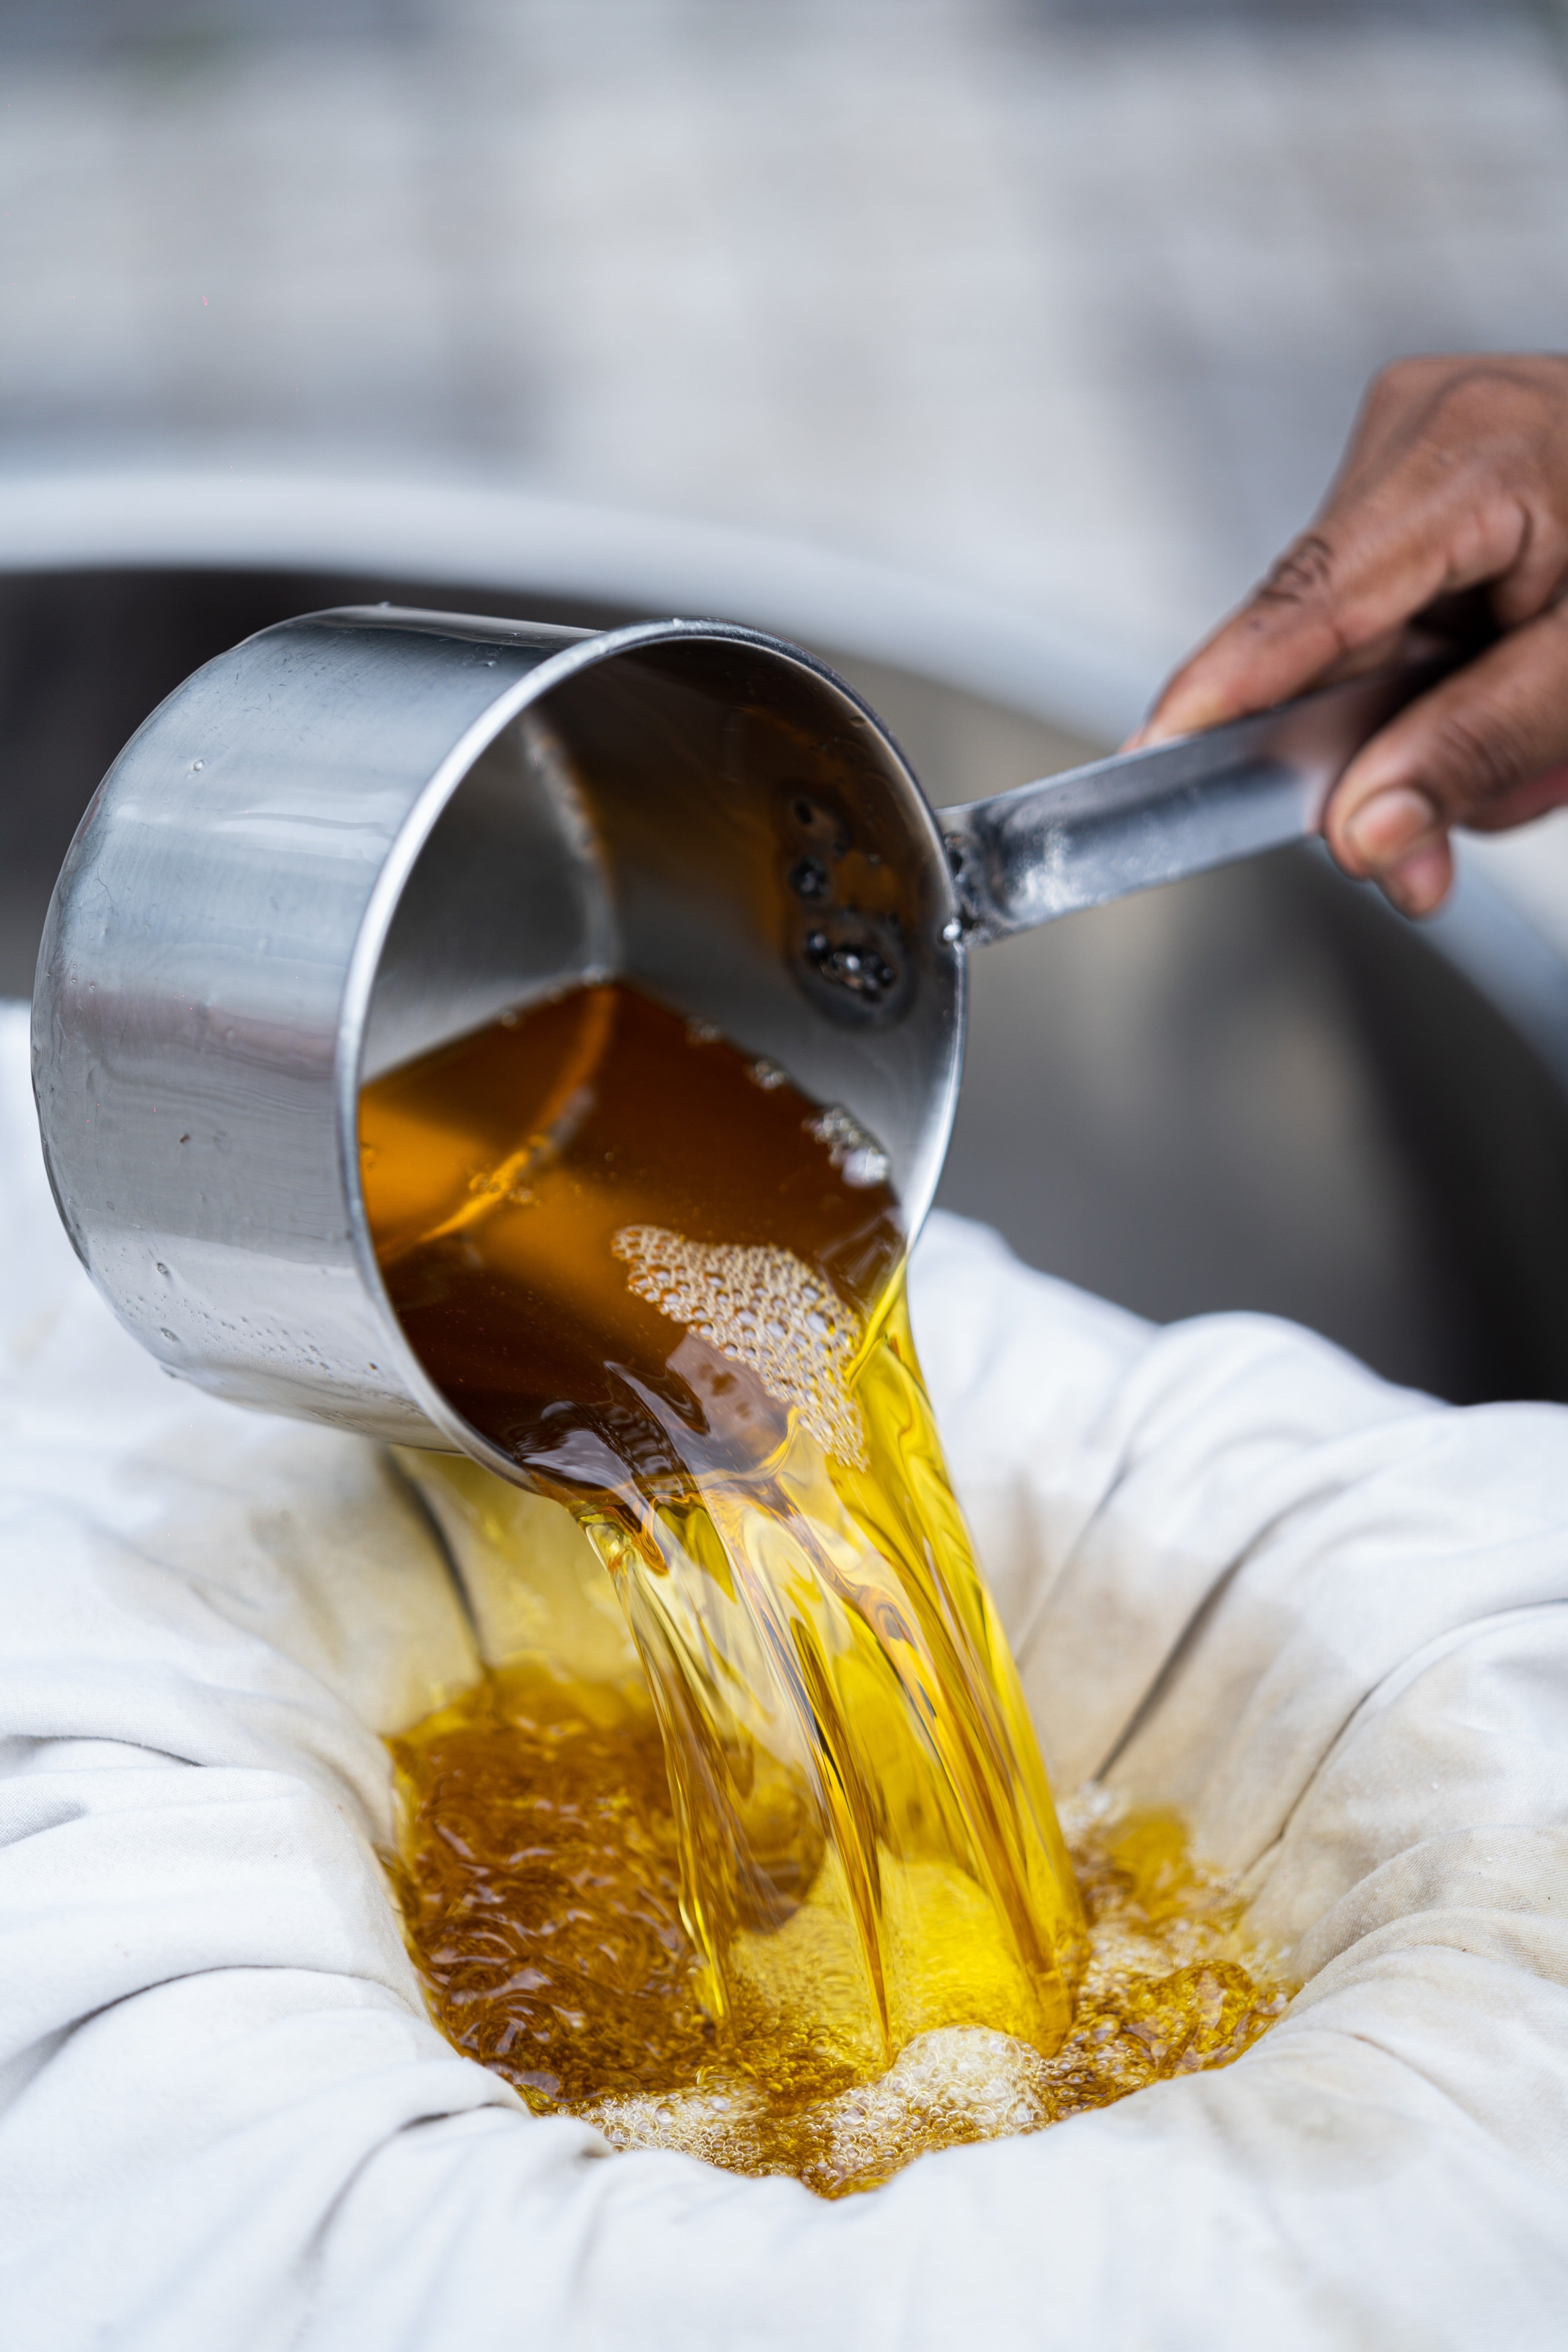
{"x": 785, "y": 1887}
{"x": 671, "y": 1288}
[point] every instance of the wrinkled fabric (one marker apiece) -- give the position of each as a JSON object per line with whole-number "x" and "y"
{"x": 1323, "y": 1616}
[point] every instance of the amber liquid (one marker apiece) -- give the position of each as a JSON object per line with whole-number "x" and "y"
{"x": 670, "y": 1288}
{"x": 540, "y": 1878}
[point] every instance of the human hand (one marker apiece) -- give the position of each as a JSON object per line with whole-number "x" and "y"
{"x": 1456, "y": 480}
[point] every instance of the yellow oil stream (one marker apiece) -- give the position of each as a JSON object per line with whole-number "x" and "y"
{"x": 806, "y": 1839}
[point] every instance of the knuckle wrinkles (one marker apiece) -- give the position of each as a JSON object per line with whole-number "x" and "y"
{"x": 1303, "y": 575}
{"x": 1483, "y": 403}
{"x": 1478, "y": 755}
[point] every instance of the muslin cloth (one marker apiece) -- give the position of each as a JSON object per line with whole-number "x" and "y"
{"x": 1323, "y": 1616}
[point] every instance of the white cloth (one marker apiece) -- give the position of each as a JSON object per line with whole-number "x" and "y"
{"x": 1322, "y": 1614}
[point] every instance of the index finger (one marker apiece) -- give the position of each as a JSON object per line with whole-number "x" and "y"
{"x": 1290, "y": 635}
{"x": 1422, "y": 508}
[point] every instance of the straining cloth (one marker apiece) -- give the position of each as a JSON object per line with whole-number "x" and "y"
{"x": 1323, "y": 1616}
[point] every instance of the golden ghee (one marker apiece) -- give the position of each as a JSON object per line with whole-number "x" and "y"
{"x": 805, "y": 1840}
{"x": 539, "y": 1871}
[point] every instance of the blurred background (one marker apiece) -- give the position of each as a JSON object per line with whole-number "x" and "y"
{"x": 992, "y": 346}
{"x": 1069, "y": 301}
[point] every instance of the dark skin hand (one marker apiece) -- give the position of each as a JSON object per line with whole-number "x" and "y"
{"x": 1456, "y": 479}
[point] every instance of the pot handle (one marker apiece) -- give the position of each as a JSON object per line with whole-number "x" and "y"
{"x": 1121, "y": 824}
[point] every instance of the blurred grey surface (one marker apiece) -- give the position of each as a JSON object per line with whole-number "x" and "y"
{"x": 1070, "y": 300}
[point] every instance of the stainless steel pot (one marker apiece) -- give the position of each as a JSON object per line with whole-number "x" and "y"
{"x": 364, "y": 832}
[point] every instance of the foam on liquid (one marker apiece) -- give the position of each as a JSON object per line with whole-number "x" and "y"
{"x": 761, "y": 1307}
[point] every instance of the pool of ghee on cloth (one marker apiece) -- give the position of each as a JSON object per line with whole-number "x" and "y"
{"x": 765, "y": 1866}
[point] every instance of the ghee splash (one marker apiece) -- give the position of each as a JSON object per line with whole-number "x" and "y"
{"x": 670, "y": 1288}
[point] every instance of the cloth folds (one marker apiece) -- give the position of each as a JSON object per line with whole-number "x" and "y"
{"x": 1323, "y": 1616}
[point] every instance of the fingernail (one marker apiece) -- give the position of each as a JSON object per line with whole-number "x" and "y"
{"x": 1389, "y": 822}
{"x": 1418, "y": 885}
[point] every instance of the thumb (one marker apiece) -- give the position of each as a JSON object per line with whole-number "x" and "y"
{"x": 1488, "y": 749}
